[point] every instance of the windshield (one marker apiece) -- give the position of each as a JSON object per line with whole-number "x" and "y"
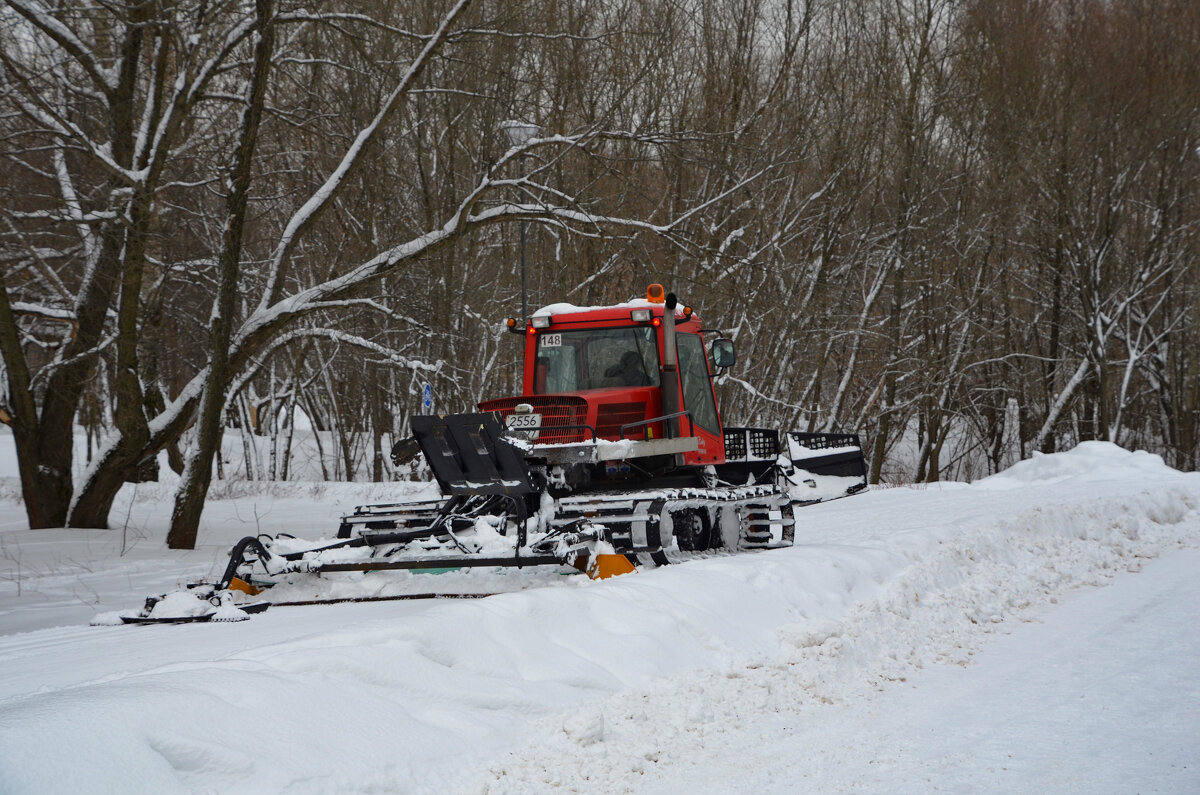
{"x": 571, "y": 361}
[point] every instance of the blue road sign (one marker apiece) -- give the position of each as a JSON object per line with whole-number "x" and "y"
{"x": 427, "y": 397}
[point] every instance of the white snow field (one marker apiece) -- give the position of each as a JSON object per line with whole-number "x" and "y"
{"x": 946, "y": 638}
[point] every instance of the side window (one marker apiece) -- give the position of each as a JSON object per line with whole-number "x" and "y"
{"x": 697, "y": 389}
{"x": 648, "y": 348}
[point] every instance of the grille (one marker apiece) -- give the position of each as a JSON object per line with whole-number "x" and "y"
{"x": 825, "y": 441}
{"x": 735, "y": 445}
{"x": 611, "y": 416}
{"x": 743, "y": 444}
{"x": 556, "y": 412}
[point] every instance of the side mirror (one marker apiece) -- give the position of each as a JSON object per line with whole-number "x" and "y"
{"x": 722, "y": 353}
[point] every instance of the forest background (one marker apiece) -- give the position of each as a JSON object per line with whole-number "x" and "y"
{"x": 967, "y": 230}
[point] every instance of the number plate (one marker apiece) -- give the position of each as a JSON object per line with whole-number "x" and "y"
{"x": 524, "y": 422}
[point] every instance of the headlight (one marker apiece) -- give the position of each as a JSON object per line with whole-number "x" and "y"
{"x": 640, "y": 315}
{"x": 540, "y": 321}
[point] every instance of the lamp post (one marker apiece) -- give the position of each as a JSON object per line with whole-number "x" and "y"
{"x": 519, "y": 133}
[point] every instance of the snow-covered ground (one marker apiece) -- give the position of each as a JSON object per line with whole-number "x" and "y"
{"x": 915, "y": 639}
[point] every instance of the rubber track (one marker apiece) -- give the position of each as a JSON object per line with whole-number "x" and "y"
{"x": 634, "y": 516}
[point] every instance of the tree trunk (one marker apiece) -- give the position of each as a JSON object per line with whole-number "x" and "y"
{"x": 121, "y": 463}
{"x": 197, "y": 475}
{"x": 122, "y": 261}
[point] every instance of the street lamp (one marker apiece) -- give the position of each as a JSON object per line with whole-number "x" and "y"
{"x": 519, "y": 133}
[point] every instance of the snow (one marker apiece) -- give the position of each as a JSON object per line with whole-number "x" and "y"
{"x": 1089, "y": 461}
{"x": 947, "y": 637}
{"x": 179, "y": 604}
{"x": 633, "y": 303}
{"x": 798, "y": 452}
{"x": 1097, "y": 694}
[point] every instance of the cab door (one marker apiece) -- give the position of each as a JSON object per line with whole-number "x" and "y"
{"x": 700, "y": 401}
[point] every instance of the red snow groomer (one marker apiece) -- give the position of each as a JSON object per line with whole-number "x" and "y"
{"x": 615, "y": 455}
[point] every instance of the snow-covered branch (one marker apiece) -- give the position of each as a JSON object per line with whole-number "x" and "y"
{"x": 43, "y": 19}
{"x": 320, "y": 199}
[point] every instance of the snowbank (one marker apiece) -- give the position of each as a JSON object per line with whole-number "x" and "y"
{"x": 921, "y": 579}
{"x": 1092, "y": 462}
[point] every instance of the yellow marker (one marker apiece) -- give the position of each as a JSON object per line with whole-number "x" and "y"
{"x": 601, "y": 567}
{"x": 238, "y": 584}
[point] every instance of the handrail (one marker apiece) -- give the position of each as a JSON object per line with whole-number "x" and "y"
{"x": 653, "y": 420}
{"x": 549, "y": 428}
